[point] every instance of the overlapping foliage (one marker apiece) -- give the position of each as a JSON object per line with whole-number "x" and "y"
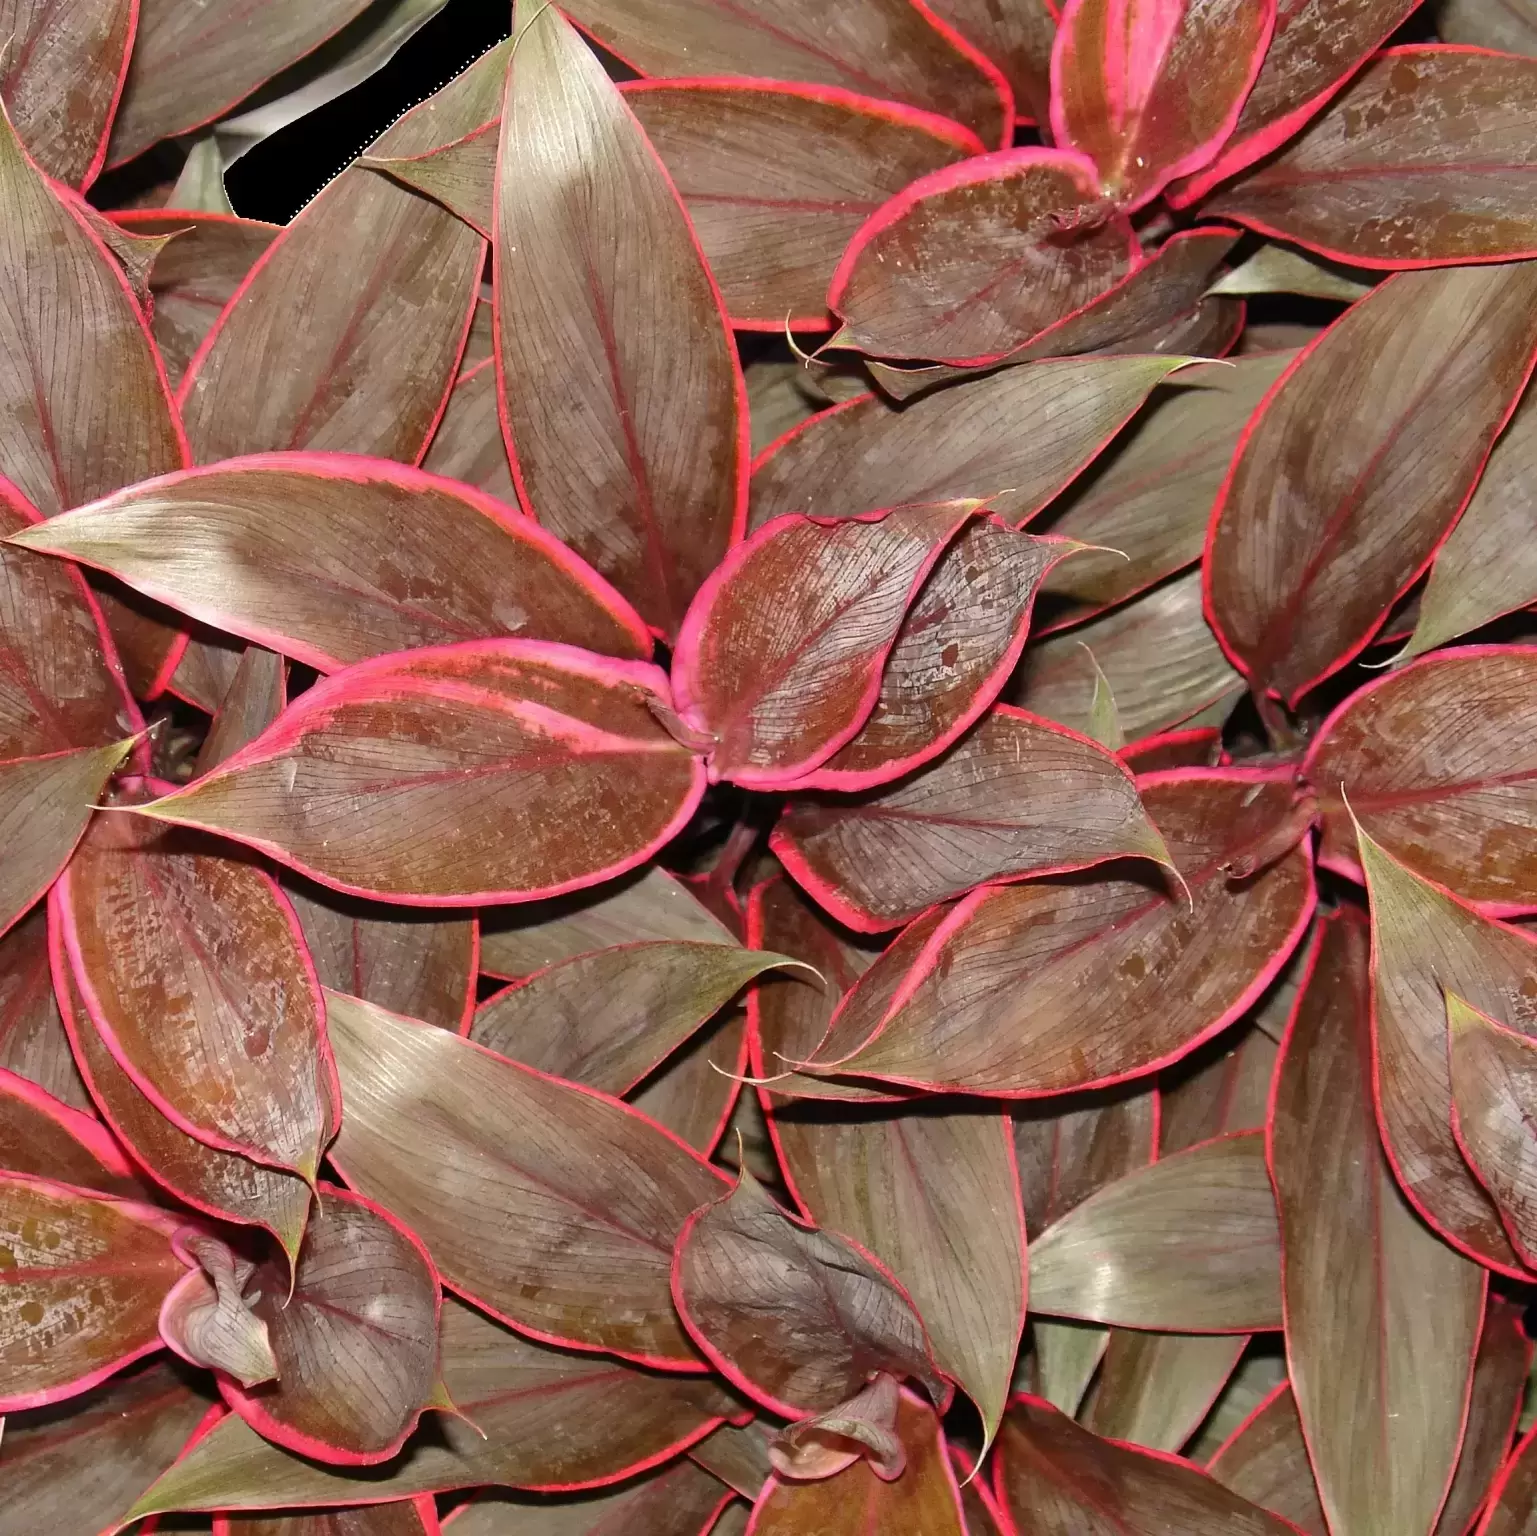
{"x": 923, "y": 936}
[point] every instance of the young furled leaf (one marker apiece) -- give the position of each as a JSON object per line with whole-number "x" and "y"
{"x": 457, "y": 737}
{"x": 1359, "y": 463}
{"x": 205, "y": 1319}
{"x": 639, "y": 459}
{"x": 1382, "y": 1317}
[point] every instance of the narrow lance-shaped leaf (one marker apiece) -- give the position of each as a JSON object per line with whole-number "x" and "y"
{"x": 1435, "y": 761}
{"x": 32, "y": 1040}
{"x": 43, "y": 1137}
{"x": 1016, "y": 796}
{"x": 779, "y": 660}
{"x": 1358, "y": 464}
{"x": 1149, "y": 91}
{"x": 1155, "y": 1389}
{"x": 255, "y": 698}
{"x": 680, "y": 1500}
{"x": 1382, "y": 1317}
{"x": 971, "y": 262}
{"x": 541, "y": 767}
{"x": 331, "y": 559}
{"x": 1422, "y": 160}
{"x": 1265, "y": 1460}
{"x": 639, "y": 459}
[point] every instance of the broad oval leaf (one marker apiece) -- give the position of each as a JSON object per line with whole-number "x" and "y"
{"x": 1155, "y": 1389}
{"x": 1188, "y": 1243}
{"x": 878, "y": 47}
{"x": 544, "y": 1419}
{"x": 680, "y": 1500}
{"x": 1265, "y": 1460}
{"x": 971, "y": 262}
{"x": 1358, "y": 464}
{"x": 798, "y": 1318}
{"x": 1057, "y": 1479}
{"x": 1382, "y": 1317}
{"x": 1423, "y": 159}
{"x": 82, "y": 1281}
{"x": 32, "y": 1040}
{"x": 1017, "y": 796}
{"x": 541, "y": 765}
{"x": 582, "y": 1198}
{"x": 1148, "y": 90}
{"x": 639, "y": 459}
{"x": 1014, "y": 438}
{"x": 1435, "y": 762}
{"x": 331, "y": 559}
{"x": 191, "y": 966}
{"x": 47, "y": 1139}
{"x": 608, "y": 1018}
{"x": 779, "y": 660}
{"x": 993, "y": 1005}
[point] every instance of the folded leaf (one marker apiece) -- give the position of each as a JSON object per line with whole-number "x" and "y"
{"x": 995, "y": 1003}
{"x": 205, "y": 1318}
{"x": 1155, "y": 1389}
{"x": 344, "y": 336}
{"x": 1148, "y": 90}
{"x": 924, "y": 1499}
{"x": 1266, "y": 1461}
{"x": 543, "y": 1418}
{"x": 1358, "y": 464}
{"x": 541, "y": 766}
{"x": 971, "y": 262}
{"x": 1018, "y": 40}
{"x": 332, "y": 559}
{"x": 583, "y": 1197}
{"x": 1421, "y": 160}
{"x": 681, "y": 1500}
{"x": 1015, "y": 438}
{"x": 82, "y": 1285}
{"x": 255, "y": 698}
{"x": 864, "y": 1427}
{"x": 461, "y": 175}
{"x": 779, "y": 661}
{"x": 932, "y": 1193}
{"x": 191, "y": 967}
{"x": 608, "y": 1018}
{"x": 32, "y": 1040}
{"x": 639, "y": 460}
{"x": 882, "y": 49}
{"x": 43, "y": 1137}
{"x": 798, "y": 1318}
{"x": 1017, "y": 796}
{"x": 1435, "y": 762}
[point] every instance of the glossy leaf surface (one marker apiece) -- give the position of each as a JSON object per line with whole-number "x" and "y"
{"x": 638, "y": 460}
{"x": 1359, "y": 464}
{"x": 466, "y": 732}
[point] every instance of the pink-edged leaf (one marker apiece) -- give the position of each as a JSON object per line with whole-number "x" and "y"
{"x": 779, "y": 660}
{"x": 255, "y": 698}
{"x": 1017, "y": 38}
{"x": 1435, "y": 761}
{"x": 543, "y": 1419}
{"x": 1316, "y": 48}
{"x": 1427, "y": 942}
{"x": 680, "y": 1500}
{"x": 648, "y": 906}
{"x": 972, "y": 262}
{"x": 79, "y": 1471}
{"x": 1188, "y": 1243}
{"x": 468, "y": 444}
{"x": 582, "y": 1197}
{"x": 43, "y": 1137}
{"x": 1017, "y": 796}
{"x": 1423, "y": 159}
{"x": 1231, "y": 1090}
{"x": 308, "y": 554}
{"x": 1150, "y": 89}
{"x": 1265, "y": 1460}
{"x": 934, "y": 1195}
{"x": 1377, "y": 1306}
{"x": 694, "y": 1092}
{"x": 61, "y": 79}
{"x": 191, "y": 967}
{"x": 458, "y": 737}
{"x": 461, "y": 175}
{"x": 192, "y": 64}
{"x": 1198, "y": 747}
{"x": 1145, "y": 504}
{"x": 221, "y": 1184}
{"x": 405, "y": 1517}
{"x": 607, "y": 1019}
{"x": 738, "y": 1454}
{"x": 1513, "y": 1499}
{"x": 798, "y": 1318}
{"x": 33, "y": 1044}
{"x": 884, "y": 48}
{"x": 421, "y": 964}
{"x": 1014, "y": 438}
{"x": 989, "y": 1007}
{"x": 1358, "y": 464}
{"x": 639, "y": 460}
{"x": 1057, "y": 1479}
{"x": 82, "y": 1282}
{"x": 924, "y": 1499}
{"x": 346, "y": 333}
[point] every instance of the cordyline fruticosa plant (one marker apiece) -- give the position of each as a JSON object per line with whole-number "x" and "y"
{"x": 1056, "y": 779}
